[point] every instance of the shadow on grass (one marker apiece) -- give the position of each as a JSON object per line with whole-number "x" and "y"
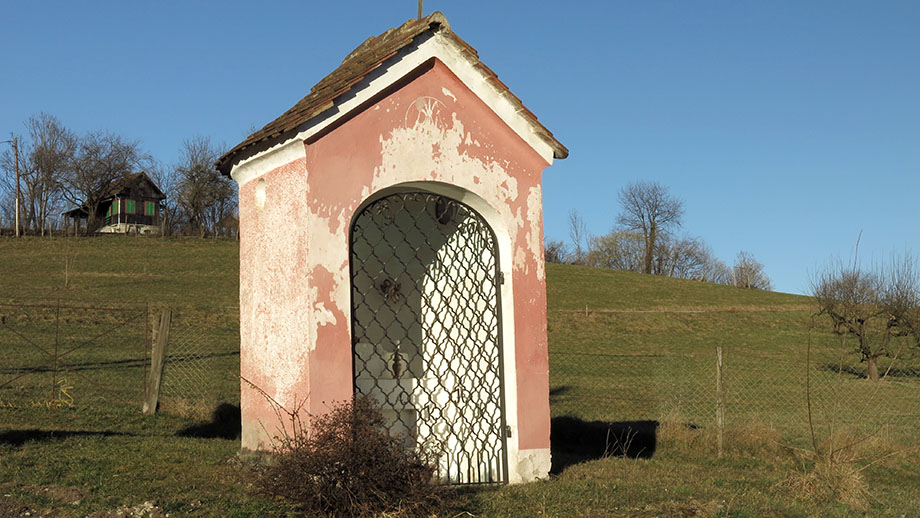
{"x": 17, "y": 438}
{"x": 862, "y": 372}
{"x": 574, "y": 441}
{"x": 47, "y": 365}
{"x": 225, "y": 424}
{"x": 561, "y": 390}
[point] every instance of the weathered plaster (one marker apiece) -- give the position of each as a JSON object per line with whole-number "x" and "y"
{"x": 530, "y": 465}
{"x": 295, "y": 289}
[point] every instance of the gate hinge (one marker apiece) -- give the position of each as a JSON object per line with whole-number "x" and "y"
{"x": 501, "y": 277}
{"x": 508, "y": 431}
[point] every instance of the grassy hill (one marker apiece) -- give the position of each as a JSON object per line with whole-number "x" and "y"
{"x": 624, "y": 348}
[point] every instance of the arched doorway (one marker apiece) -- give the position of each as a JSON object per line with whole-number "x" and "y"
{"x": 426, "y": 328}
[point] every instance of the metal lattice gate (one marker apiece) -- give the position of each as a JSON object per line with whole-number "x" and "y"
{"x": 427, "y": 329}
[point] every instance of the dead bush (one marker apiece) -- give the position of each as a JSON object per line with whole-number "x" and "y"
{"x": 345, "y": 464}
{"x": 830, "y": 478}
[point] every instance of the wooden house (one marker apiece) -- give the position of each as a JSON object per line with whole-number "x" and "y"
{"x": 131, "y": 204}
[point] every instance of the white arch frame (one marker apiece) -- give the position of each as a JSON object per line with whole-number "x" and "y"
{"x": 505, "y": 258}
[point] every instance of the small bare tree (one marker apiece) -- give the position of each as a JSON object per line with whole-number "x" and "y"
{"x": 749, "y": 273}
{"x": 555, "y": 252}
{"x": 204, "y": 196}
{"x": 618, "y": 250}
{"x": 648, "y": 208}
{"x": 880, "y": 309}
{"x": 684, "y": 258}
{"x": 578, "y": 233}
{"x": 716, "y": 272}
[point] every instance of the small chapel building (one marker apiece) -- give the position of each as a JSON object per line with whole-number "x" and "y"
{"x": 391, "y": 245}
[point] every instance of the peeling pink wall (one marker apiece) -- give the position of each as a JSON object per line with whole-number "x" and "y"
{"x": 295, "y": 287}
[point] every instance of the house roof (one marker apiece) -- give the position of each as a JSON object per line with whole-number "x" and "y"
{"x": 129, "y": 181}
{"x": 367, "y": 57}
{"x": 117, "y": 187}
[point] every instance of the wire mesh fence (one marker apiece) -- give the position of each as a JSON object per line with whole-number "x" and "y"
{"x": 645, "y": 370}
{"x": 55, "y": 354}
{"x": 604, "y": 366}
{"x": 202, "y": 361}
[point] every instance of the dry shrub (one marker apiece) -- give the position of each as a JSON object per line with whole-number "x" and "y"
{"x": 346, "y": 464}
{"x": 830, "y": 479}
{"x": 754, "y": 439}
{"x": 835, "y": 473}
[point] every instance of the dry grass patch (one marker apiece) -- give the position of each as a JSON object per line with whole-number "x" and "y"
{"x": 836, "y": 471}
{"x": 750, "y": 440}
{"x": 677, "y": 509}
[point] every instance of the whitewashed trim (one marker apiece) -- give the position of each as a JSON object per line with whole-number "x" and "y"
{"x": 265, "y": 161}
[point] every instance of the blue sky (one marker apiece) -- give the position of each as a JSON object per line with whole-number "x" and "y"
{"x": 786, "y": 127}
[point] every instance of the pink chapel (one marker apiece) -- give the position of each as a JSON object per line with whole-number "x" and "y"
{"x": 391, "y": 244}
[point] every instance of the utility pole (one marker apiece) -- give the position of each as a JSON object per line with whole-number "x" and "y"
{"x": 16, "y": 159}
{"x": 15, "y": 143}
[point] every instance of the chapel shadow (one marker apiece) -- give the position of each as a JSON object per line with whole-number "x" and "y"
{"x": 17, "y": 438}
{"x": 225, "y": 424}
{"x": 574, "y": 440}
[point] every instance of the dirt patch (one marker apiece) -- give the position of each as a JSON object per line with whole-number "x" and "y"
{"x": 58, "y": 494}
{"x": 11, "y": 506}
{"x": 144, "y": 510}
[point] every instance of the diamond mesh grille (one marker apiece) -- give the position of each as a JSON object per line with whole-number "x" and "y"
{"x": 427, "y": 329}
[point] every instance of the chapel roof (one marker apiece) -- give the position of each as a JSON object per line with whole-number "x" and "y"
{"x": 367, "y": 57}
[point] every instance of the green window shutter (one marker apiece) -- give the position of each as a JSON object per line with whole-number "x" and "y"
{"x": 108, "y": 213}
{"x": 115, "y": 207}
{"x": 129, "y": 206}
{"x": 149, "y": 208}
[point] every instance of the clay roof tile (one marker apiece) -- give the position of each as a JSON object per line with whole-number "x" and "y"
{"x": 360, "y": 62}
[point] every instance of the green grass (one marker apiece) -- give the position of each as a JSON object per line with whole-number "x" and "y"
{"x": 623, "y": 347}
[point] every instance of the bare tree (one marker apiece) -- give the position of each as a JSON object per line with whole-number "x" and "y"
{"x": 578, "y": 233}
{"x": 717, "y": 272}
{"x": 100, "y": 159}
{"x": 618, "y": 250}
{"x": 45, "y": 158}
{"x": 555, "y": 252}
{"x": 52, "y": 154}
{"x": 901, "y": 295}
{"x": 748, "y": 273}
{"x": 879, "y": 309}
{"x": 649, "y": 209}
{"x": 167, "y": 179}
{"x": 205, "y": 196}
{"x": 684, "y": 258}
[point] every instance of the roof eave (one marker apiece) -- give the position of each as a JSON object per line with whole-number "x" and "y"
{"x": 307, "y": 113}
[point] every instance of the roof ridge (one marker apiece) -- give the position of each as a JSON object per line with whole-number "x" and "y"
{"x": 358, "y": 63}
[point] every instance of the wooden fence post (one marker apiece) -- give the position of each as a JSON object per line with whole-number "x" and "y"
{"x": 157, "y": 362}
{"x": 720, "y": 401}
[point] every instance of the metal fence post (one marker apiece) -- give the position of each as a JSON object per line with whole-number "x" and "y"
{"x": 157, "y": 362}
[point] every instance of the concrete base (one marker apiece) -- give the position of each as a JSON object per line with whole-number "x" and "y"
{"x": 529, "y": 466}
